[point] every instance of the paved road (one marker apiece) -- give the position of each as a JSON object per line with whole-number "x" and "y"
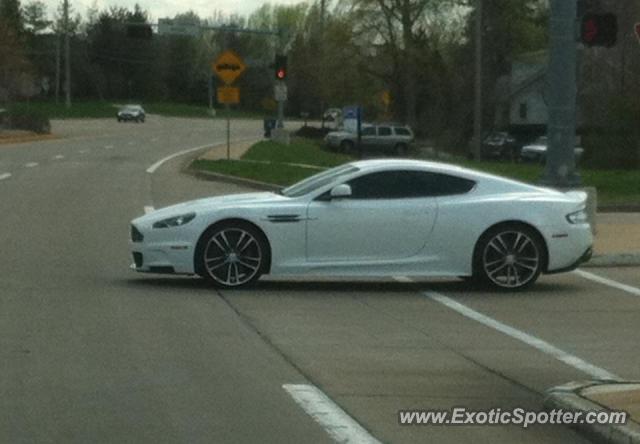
{"x": 94, "y": 353}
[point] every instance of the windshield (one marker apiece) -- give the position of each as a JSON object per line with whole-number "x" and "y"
{"x": 319, "y": 180}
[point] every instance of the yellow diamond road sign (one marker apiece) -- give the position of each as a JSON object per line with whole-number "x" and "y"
{"x": 228, "y": 66}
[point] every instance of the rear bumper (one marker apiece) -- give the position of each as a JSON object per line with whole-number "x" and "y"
{"x": 586, "y": 256}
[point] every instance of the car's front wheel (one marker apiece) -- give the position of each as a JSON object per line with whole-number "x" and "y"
{"x": 509, "y": 257}
{"x": 232, "y": 255}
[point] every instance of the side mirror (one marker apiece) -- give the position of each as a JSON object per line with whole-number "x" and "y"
{"x": 341, "y": 191}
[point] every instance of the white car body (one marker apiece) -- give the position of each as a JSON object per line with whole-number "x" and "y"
{"x": 538, "y": 150}
{"x": 425, "y": 236}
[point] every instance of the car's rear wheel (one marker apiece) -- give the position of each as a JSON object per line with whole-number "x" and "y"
{"x": 232, "y": 255}
{"x": 509, "y": 257}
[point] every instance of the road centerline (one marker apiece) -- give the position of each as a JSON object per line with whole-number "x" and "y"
{"x": 5, "y": 176}
{"x": 333, "y": 419}
{"x": 608, "y": 282}
{"x": 533, "y": 341}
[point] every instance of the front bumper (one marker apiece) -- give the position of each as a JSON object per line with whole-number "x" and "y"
{"x": 152, "y": 254}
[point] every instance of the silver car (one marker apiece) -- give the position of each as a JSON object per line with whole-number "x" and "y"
{"x": 381, "y": 137}
{"x": 537, "y": 151}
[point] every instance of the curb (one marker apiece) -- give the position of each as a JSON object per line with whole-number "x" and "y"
{"x": 208, "y": 175}
{"x": 613, "y": 260}
{"x": 567, "y": 397}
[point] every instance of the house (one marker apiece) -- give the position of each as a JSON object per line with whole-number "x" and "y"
{"x": 521, "y": 95}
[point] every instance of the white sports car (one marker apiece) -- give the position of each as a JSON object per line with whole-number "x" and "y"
{"x": 372, "y": 218}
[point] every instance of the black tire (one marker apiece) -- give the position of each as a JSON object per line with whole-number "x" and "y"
{"x": 346, "y": 146}
{"x": 232, "y": 255}
{"x": 402, "y": 149}
{"x": 509, "y": 257}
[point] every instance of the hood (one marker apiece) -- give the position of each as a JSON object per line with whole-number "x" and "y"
{"x": 211, "y": 203}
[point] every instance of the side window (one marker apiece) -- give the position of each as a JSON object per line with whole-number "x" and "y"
{"x": 382, "y": 185}
{"x": 384, "y": 131}
{"x": 403, "y": 184}
{"x": 446, "y": 185}
{"x": 369, "y": 131}
{"x": 401, "y": 131}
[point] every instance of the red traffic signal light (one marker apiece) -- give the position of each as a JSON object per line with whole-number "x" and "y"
{"x": 281, "y": 67}
{"x": 599, "y": 30}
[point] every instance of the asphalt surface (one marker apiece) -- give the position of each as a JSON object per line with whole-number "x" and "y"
{"x": 92, "y": 352}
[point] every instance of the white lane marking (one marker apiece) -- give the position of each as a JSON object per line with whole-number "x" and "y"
{"x": 5, "y": 176}
{"x": 58, "y": 157}
{"x": 335, "y": 421}
{"x": 537, "y": 343}
{"x": 148, "y": 209}
{"x": 131, "y": 143}
{"x": 152, "y": 169}
{"x": 83, "y": 151}
{"x": 31, "y": 165}
{"x": 611, "y": 283}
{"x": 108, "y": 147}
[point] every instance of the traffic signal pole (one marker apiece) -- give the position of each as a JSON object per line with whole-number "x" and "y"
{"x": 560, "y": 169}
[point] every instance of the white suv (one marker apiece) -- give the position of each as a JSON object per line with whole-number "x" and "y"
{"x": 382, "y": 137}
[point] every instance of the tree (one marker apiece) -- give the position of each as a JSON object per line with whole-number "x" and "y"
{"x": 15, "y": 69}
{"x": 11, "y": 14}
{"x": 35, "y": 17}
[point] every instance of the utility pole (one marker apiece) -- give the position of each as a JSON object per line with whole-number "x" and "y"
{"x": 560, "y": 169}
{"x": 58, "y": 66}
{"x": 477, "y": 105}
{"x": 67, "y": 55}
{"x": 321, "y": 58}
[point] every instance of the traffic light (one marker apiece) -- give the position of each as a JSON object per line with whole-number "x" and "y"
{"x": 599, "y": 29}
{"x": 281, "y": 67}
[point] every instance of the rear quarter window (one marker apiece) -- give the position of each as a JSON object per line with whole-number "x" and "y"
{"x": 402, "y": 131}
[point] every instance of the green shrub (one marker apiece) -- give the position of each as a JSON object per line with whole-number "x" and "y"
{"x": 29, "y": 121}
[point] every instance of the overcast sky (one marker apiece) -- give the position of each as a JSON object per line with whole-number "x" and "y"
{"x": 168, "y": 8}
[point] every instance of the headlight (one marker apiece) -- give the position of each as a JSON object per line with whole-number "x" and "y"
{"x": 579, "y": 217}
{"x": 175, "y": 221}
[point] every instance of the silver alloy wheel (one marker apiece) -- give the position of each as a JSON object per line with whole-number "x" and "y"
{"x": 511, "y": 259}
{"x": 232, "y": 256}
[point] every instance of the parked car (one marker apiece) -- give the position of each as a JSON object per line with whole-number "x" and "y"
{"x": 131, "y": 112}
{"x": 383, "y": 137}
{"x": 389, "y": 217}
{"x": 537, "y": 151}
{"x": 499, "y": 145}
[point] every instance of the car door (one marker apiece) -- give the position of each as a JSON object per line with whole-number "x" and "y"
{"x": 384, "y": 219}
{"x": 385, "y": 139}
{"x": 368, "y": 136}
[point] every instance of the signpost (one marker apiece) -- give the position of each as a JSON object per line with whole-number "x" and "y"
{"x": 228, "y": 67}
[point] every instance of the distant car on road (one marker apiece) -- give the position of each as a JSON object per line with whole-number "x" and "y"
{"x": 389, "y": 217}
{"x": 537, "y": 151}
{"x": 381, "y": 137}
{"x": 131, "y": 112}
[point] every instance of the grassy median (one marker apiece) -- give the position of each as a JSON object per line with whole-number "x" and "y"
{"x": 276, "y": 163}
